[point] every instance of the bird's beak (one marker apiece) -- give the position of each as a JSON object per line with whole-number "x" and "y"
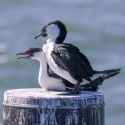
{"x": 23, "y": 55}
{"x": 40, "y": 34}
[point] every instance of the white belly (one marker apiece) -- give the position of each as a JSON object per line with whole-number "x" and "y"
{"x": 45, "y": 81}
{"x": 49, "y": 83}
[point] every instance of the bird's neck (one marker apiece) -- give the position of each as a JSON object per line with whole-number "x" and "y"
{"x": 55, "y": 40}
{"x": 43, "y": 68}
{"x": 48, "y": 47}
{"x": 50, "y": 41}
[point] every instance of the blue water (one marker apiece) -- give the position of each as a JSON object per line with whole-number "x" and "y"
{"x": 96, "y": 27}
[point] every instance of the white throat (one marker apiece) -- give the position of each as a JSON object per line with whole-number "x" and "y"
{"x": 48, "y": 46}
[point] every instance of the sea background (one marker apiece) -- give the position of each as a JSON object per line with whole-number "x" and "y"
{"x": 97, "y": 27}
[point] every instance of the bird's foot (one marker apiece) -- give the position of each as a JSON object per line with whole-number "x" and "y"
{"x": 75, "y": 91}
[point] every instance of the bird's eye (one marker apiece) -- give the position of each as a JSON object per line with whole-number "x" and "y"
{"x": 44, "y": 34}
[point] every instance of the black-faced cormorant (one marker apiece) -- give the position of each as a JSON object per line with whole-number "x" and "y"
{"x": 65, "y": 59}
{"x": 48, "y": 80}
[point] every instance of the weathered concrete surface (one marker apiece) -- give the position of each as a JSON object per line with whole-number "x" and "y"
{"x": 38, "y": 107}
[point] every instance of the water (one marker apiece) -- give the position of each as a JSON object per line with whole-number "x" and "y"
{"x": 96, "y": 27}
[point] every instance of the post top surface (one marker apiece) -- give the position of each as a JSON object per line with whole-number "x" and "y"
{"x": 38, "y": 97}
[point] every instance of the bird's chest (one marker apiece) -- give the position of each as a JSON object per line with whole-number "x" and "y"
{"x": 47, "y": 49}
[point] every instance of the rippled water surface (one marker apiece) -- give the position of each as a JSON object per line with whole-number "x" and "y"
{"x": 96, "y": 27}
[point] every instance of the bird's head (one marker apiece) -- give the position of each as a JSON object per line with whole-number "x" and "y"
{"x": 56, "y": 31}
{"x": 31, "y": 53}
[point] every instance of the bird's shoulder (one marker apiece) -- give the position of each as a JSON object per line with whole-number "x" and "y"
{"x": 66, "y": 48}
{"x": 69, "y": 57}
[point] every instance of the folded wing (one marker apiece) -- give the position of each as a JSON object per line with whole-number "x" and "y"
{"x": 69, "y": 58}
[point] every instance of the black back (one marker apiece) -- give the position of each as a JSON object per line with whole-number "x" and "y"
{"x": 69, "y": 58}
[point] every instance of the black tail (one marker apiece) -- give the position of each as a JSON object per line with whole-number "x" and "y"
{"x": 108, "y": 71}
{"x": 94, "y": 84}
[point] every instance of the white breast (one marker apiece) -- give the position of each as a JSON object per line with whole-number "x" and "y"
{"x": 45, "y": 81}
{"x": 47, "y": 49}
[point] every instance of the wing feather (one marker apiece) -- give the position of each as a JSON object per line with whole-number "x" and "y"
{"x": 69, "y": 58}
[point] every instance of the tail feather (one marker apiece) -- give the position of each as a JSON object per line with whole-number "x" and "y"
{"x": 110, "y": 75}
{"x": 108, "y": 71}
{"x": 94, "y": 84}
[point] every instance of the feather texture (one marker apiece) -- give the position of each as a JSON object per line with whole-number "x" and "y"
{"x": 69, "y": 58}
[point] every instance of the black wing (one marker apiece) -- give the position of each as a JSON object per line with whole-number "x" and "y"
{"x": 69, "y": 58}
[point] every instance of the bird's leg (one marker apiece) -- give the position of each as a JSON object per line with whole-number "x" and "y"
{"x": 95, "y": 82}
{"x": 92, "y": 85}
{"x": 76, "y": 90}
